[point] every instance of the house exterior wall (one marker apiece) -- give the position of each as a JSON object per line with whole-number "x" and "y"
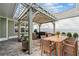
{"x": 2, "y": 27}
{"x": 7, "y": 30}
{"x": 10, "y": 28}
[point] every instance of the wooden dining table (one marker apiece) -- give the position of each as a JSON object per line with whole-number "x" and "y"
{"x": 58, "y": 41}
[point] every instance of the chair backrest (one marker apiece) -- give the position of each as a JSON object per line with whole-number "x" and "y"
{"x": 70, "y": 46}
{"x": 43, "y": 36}
{"x": 46, "y": 46}
{"x": 49, "y": 34}
{"x": 42, "y": 33}
{"x": 34, "y": 36}
{"x": 46, "y": 42}
{"x": 71, "y": 41}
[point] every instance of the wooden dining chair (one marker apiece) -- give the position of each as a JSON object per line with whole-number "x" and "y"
{"x": 42, "y": 36}
{"x": 70, "y": 47}
{"x": 47, "y": 47}
{"x": 48, "y": 34}
{"x": 34, "y": 36}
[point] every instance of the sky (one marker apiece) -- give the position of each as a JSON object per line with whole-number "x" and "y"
{"x": 67, "y": 25}
{"x": 57, "y": 7}
{"x": 70, "y": 24}
{"x": 50, "y": 7}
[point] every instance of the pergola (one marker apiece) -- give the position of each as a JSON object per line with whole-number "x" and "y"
{"x": 34, "y": 13}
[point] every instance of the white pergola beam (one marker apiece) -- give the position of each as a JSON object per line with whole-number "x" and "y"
{"x": 44, "y": 12}
{"x": 25, "y": 11}
{"x": 35, "y": 14}
{"x": 32, "y": 15}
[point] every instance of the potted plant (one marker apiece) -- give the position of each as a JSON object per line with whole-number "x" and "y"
{"x": 69, "y": 34}
{"x": 25, "y": 43}
{"x": 57, "y": 33}
{"x": 75, "y": 35}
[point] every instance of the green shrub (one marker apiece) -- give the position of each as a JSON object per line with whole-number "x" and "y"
{"x": 69, "y": 34}
{"x": 63, "y": 33}
{"x": 75, "y": 35}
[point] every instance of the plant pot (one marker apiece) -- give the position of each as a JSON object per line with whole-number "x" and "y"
{"x": 57, "y": 36}
{"x": 19, "y": 39}
{"x": 25, "y": 45}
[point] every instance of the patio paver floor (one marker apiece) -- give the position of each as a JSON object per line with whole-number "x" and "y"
{"x": 14, "y": 48}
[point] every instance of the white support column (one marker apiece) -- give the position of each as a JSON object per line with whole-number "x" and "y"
{"x": 7, "y": 28}
{"x": 53, "y": 27}
{"x": 39, "y": 30}
{"x": 39, "y": 27}
{"x": 30, "y": 25}
{"x": 19, "y": 29}
{"x": 14, "y": 27}
{"x": 25, "y": 27}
